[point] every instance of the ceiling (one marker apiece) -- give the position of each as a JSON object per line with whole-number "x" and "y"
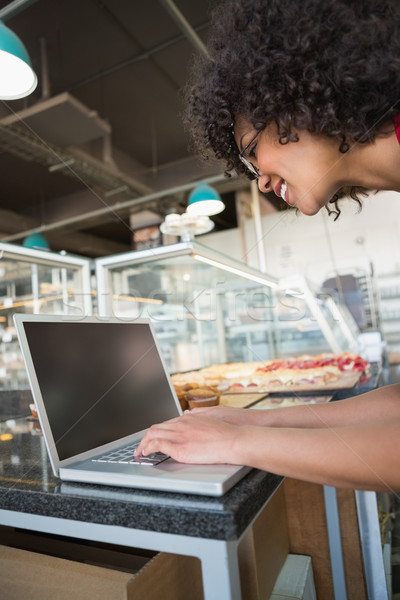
{"x": 99, "y": 150}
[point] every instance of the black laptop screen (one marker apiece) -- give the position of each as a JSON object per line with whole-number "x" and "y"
{"x": 99, "y": 381}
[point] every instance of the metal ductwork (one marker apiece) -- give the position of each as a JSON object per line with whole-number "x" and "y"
{"x": 49, "y": 133}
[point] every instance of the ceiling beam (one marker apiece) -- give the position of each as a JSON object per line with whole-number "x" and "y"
{"x": 15, "y": 7}
{"x": 11, "y": 222}
{"x": 72, "y": 241}
{"x": 184, "y": 26}
{"x": 117, "y": 210}
{"x": 86, "y": 244}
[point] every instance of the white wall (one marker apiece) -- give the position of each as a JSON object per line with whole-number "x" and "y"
{"x": 316, "y": 246}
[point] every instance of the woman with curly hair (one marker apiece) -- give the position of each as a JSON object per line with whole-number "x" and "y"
{"x": 318, "y": 77}
{"x": 304, "y": 97}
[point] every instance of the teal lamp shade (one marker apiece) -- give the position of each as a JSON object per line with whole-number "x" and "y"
{"x": 17, "y": 78}
{"x": 36, "y": 241}
{"x": 204, "y": 200}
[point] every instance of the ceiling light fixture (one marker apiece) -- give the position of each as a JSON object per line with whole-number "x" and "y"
{"x": 36, "y": 241}
{"x": 204, "y": 200}
{"x": 17, "y": 78}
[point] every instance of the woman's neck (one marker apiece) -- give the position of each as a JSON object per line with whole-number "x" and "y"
{"x": 376, "y": 165}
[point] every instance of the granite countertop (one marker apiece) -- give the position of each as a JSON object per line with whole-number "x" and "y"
{"x": 27, "y": 485}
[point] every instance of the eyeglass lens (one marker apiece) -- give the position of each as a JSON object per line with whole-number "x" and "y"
{"x": 246, "y": 161}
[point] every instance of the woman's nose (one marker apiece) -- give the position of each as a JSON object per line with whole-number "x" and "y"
{"x": 264, "y": 184}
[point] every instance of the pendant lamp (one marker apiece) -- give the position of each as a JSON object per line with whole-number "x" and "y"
{"x": 17, "y": 78}
{"x": 36, "y": 241}
{"x": 204, "y": 200}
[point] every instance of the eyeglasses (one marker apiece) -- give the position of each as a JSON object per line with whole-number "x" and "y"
{"x": 246, "y": 161}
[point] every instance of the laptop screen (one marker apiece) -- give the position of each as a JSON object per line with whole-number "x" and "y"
{"x": 99, "y": 381}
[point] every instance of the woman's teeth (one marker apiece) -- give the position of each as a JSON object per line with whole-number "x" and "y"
{"x": 283, "y": 190}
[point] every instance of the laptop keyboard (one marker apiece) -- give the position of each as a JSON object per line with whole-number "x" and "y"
{"x": 126, "y": 455}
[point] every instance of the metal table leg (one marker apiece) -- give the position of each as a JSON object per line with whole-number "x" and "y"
{"x": 220, "y": 568}
{"x": 370, "y": 536}
{"x": 335, "y": 543}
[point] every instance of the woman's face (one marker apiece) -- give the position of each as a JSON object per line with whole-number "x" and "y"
{"x": 305, "y": 174}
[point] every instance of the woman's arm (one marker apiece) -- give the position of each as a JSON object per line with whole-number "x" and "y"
{"x": 363, "y": 456}
{"x": 382, "y": 403}
{"x": 351, "y": 443}
{"x": 359, "y": 456}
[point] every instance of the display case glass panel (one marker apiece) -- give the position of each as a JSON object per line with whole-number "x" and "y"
{"x": 207, "y": 308}
{"x": 190, "y": 301}
{"x": 312, "y": 322}
{"x": 36, "y": 281}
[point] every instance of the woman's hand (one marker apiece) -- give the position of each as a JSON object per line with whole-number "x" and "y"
{"x": 193, "y": 439}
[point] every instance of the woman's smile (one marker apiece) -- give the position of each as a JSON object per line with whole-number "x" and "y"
{"x": 281, "y": 190}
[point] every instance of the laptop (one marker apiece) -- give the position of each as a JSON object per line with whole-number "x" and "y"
{"x": 98, "y": 384}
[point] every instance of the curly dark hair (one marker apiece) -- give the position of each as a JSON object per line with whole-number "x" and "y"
{"x": 326, "y": 66}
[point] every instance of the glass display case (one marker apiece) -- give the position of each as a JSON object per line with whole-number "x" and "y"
{"x": 313, "y": 321}
{"x": 36, "y": 281}
{"x": 207, "y": 308}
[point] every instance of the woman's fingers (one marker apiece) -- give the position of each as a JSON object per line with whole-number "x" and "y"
{"x": 192, "y": 439}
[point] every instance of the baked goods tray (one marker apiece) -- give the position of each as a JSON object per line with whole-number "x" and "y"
{"x": 285, "y": 401}
{"x": 346, "y": 381}
{"x": 272, "y": 401}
